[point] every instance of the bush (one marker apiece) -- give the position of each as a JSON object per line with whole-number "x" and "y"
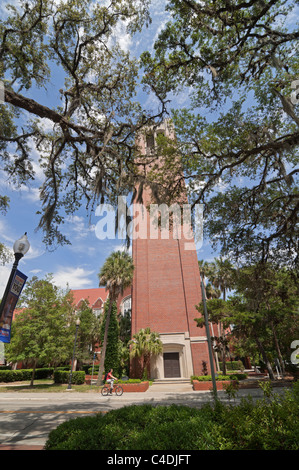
{"x": 262, "y": 425}
{"x": 207, "y": 378}
{"x": 130, "y": 381}
{"x": 24, "y": 374}
{"x": 63, "y": 376}
{"x": 236, "y": 376}
{"x": 233, "y": 365}
{"x": 11, "y": 375}
{"x": 95, "y": 370}
{"x": 130, "y": 428}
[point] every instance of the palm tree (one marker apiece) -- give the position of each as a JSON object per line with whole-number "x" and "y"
{"x": 116, "y": 275}
{"x": 212, "y": 292}
{"x": 221, "y": 276}
{"x": 145, "y": 343}
{"x": 205, "y": 269}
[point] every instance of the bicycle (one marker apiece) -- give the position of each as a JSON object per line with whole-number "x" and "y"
{"x": 118, "y": 390}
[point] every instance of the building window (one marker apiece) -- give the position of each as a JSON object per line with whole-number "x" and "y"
{"x": 97, "y": 311}
{"x": 150, "y": 143}
{"x": 126, "y": 305}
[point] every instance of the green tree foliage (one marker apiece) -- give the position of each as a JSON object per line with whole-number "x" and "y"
{"x": 88, "y": 334}
{"x": 238, "y": 133}
{"x": 116, "y": 274}
{"x": 263, "y": 311}
{"x": 85, "y": 137}
{"x": 5, "y": 255}
{"x": 271, "y": 296}
{"x": 44, "y": 330}
{"x": 125, "y": 326}
{"x": 220, "y": 274}
{"x": 112, "y": 356}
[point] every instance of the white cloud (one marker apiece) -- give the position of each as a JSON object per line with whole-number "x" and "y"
{"x": 75, "y": 278}
{"x": 122, "y": 247}
{"x": 30, "y": 194}
{"x": 4, "y": 276}
{"x": 5, "y": 233}
{"x": 34, "y": 252}
{"x": 35, "y": 271}
{"x": 78, "y": 227}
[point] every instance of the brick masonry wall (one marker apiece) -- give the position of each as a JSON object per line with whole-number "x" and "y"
{"x": 166, "y": 289}
{"x": 166, "y": 285}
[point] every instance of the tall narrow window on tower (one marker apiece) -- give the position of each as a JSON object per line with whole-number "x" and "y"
{"x": 150, "y": 143}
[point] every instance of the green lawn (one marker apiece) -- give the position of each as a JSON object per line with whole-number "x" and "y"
{"x": 45, "y": 385}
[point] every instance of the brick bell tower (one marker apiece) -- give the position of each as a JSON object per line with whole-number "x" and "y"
{"x": 166, "y": 286}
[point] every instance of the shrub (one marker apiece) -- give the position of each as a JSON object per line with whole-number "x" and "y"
{"x": 130, "y": 381}
{"x": 261, "y": 425}
{"x": 11, "y": 375}
{"x": 24, "y": 374}
{"x": 207, "y": 378}
{"x": 63, "y": 376}
{"x": 131, "y": 428}
{"x": 95, "y": 370}
{"x": 236, "y": 376}
{"x": 233, "y": 365}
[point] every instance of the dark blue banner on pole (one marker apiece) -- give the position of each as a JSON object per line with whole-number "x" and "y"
{"x": 14, "y": 293}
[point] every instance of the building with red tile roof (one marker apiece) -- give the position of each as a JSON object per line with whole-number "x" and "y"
{"x": 96, "y": 298}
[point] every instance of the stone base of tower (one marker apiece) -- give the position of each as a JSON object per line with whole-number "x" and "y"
{"x": 182, "y": 357}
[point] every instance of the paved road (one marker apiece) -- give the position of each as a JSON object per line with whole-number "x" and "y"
{"x": 27, "y": 418}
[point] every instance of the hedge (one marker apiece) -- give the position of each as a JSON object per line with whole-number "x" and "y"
{"x": 262, "y": 425}
{"x": 130, "y": 381}
{"x": 233, "y": 365}
{"x": 208, "y": 378}
{"x": 63, "y": 377}
{"x": 24, "y": 374}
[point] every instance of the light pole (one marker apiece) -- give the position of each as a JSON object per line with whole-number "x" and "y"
{"x": 20, "y": 248}
{"x": 69, "y": 387}
{"x": 209, "y": 340}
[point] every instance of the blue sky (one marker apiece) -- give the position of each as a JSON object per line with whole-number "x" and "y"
{"x": 75, "y": 265}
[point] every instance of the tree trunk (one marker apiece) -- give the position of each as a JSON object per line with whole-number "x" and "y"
{"x": 224, "y": 370}
{"x": 104, "y": 345}
{"x": 278, "y": 349}
{"x": 222, "y": 348}
{"x": 33, "y": 373}
{"x": 265, "y": 357}
{"x": 223, "y": 358}
{"x": 146, "y": 365}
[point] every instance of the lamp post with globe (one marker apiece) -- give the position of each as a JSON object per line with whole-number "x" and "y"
{"x": 69, "y": 387}
{"x": 20, "y": 248}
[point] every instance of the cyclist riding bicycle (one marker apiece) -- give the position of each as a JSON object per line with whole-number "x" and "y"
{"x": 110, "y": 380}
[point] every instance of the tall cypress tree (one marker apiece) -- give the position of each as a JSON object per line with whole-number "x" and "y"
{"x": 112, "y": 358}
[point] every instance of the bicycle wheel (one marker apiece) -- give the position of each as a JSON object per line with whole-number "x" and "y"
{"x": 105, "y": 390}
{"x": 119, "y": 390}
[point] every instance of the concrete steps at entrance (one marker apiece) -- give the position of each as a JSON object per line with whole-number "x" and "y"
{"x": 179, "y": 380}
{"x": 171, "y": 385}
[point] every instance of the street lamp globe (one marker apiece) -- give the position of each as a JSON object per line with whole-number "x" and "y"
{"x": 21, "y": 246}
